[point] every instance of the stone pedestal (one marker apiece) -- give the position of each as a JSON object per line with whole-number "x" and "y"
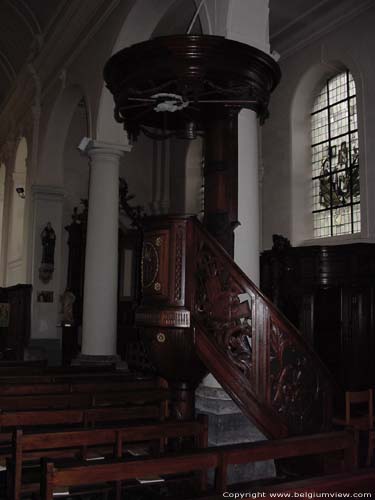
{"x": 227, "y": 425}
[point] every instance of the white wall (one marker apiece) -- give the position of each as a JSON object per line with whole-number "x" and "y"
{"x": 76, "y": 180}
{"x": 286, "y": 135}
{"x": 16, "y": 269}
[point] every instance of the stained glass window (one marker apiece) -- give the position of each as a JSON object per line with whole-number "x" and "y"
{"x": 335, "y": 159}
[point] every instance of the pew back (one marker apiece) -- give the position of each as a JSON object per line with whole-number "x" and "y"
{"x": 218, "y": 458}
{"x": 68, "y": 443}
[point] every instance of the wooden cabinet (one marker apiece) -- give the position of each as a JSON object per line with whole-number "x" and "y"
{"x": 328, "y": 293}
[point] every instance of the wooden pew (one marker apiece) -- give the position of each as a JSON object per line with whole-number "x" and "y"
{"x": 35, "y": 375}
{"x": 10, "y": 363}
{"x": 68, "y": 443}
{"x": 218, "y": 458}
{"x": 79, "y": 400}
{"x": 74, "y": 418}
{"x": 14, "y": 389}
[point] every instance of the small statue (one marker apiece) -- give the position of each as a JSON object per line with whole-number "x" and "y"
{"x": 48, "y": 242}
{"x": 48, "y": 237}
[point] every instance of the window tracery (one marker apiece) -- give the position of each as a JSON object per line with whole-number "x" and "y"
{"x": 335, "y": 158}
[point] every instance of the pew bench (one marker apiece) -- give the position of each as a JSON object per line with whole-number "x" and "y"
{"x": 83, "y": 399}
{"x": 218, "y": 458}
{"x": 15, "y": 389}
{"x": 16, "y": 375}
{"x": 111, "y": 441}
{"x": 49, "y": 420}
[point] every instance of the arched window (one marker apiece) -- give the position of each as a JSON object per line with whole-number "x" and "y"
{"x": 335, "y": 159}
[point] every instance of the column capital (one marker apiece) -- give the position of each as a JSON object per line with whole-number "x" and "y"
{"x": 91, "y": 147}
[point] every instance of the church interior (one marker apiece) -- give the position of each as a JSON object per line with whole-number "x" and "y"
{"x": 187, "y": 249}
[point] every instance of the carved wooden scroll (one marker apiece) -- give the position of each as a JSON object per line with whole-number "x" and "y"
{"x": 270, "y": 370}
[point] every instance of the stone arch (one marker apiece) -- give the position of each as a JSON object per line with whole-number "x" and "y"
{"x": 51, "y": 169}
{"x": 301, "y": 104}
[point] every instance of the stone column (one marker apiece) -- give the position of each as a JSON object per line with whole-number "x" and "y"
{"x": 246, "y": 236}
{"x": 99, "y": 327}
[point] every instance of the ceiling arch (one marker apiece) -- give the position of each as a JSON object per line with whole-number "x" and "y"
{"x": 22, "y": 24}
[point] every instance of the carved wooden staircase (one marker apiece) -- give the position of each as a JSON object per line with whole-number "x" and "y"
{"x": 197, "y": 303}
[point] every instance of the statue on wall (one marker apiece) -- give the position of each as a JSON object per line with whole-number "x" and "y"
{"x": 48, "y": 237}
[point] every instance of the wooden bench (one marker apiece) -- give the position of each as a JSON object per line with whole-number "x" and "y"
{"x": 23, "y": 364}
{"x": 84, "y": 399}
{"x": 74, "y": 418}
{"x": 16, "y": 389}
{"x": 35, "y": 375}
{"x": 217, "y": 458}
{"x": 69, "y": 443}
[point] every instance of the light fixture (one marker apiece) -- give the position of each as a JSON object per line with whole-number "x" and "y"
{"x": 21, "y": 192}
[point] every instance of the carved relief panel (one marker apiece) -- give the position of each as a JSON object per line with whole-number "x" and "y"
{"x": 155, "y": 264}
{"x": 296, "y": 386}
{"x": 226, "y": 309}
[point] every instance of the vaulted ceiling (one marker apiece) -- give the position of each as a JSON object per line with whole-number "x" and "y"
{"x": 25, "y": 23}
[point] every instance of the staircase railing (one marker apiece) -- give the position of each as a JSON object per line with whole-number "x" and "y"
{"x": 255, "y": 353}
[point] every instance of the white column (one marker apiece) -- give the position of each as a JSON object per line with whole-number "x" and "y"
{"x": 247, "y": 22}
{"x": 246, "y": 237}
{"x": 99, "y": 328}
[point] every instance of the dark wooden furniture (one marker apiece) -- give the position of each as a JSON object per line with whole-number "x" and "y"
{"x": 75, "y": 387}
{"x": 74, "y": 283}
{"x": 10, "y": 420}
{"x": 359, "y": 416}
{"x": 203, "y": 70}
{"x": 129, "y": 345}
{"x": 83, "y": 399}
{"x": 359, "y": 420}
{"x": 197, "y": 302}
{"x": 218, "y": 458}
{"x": 79, "y": 444}
{"x": 164, "y": 315}
{"x": 220, "y": 77}
{"x": 328, "y": 292}
{"x": 15, "y": 303}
